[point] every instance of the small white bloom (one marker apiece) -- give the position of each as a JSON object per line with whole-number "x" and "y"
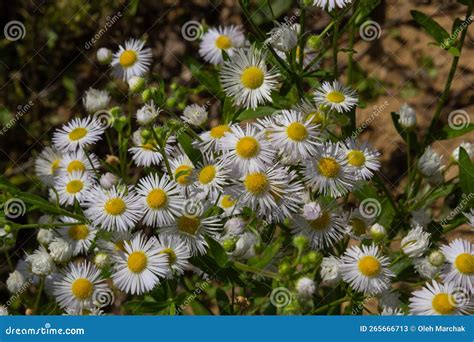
{"x": 245, "y": 246}
{"x": 45, "y": 236}
{"x": 147, "y": 114}
{"x": 132, "y": 59}
{"x": 312, "y": 211}
{"x": 40, "y": 262}
{"x": 305, "y": 287}
{"x": 436, "y": 258}
{"x": 60, "y": 250}
{"x": 108, "y": 180}
{"x": 377, "y": 231}
{"x": 234, "y": 226}
{"x": 195, "y": 115}
{"x": 221, "y": 39}
{"x": 15, "y": 281}
{"x": 416, "y": 242}
{"x": 420, "y": 217}
{"x": 136, "y": 84}
{"x": 95, "y": 100}
{"x": 430, "y": 162}
{"x": 283, "y": 37}
{"x": 101, "y": 260}
{"x": 459, "y": 267}
{"x": 330, "y": 270}
{"x": 104, "y": 55}
{"x": 425, "y": 268}
{"x": 336, "y": 96}
{"x": 407, "y": 117}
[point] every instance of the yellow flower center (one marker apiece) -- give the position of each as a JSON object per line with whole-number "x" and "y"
{"x": 55, "y": 165}
{"x": 128, "y": 58}
{"x": 328, "y": 167}
{"x": 369, "y": 266}
{"x": 182, "y": 174}
{"x": 79, "y": 232}
{"x": 77, "y": 133}
{"x": 321, "y": 222}
{"x": 356, "y": 158}
{"x": 252, "y": 77}
{"x": 207, "y": 174}
{"x": 156, "y": 198}
{"x": 148, "y": 147}
{"x": 227, "y": 201}
{"x": 247, "y": 147}
{"x": 465, "y": 263}
{"x": 297, "y": 131}
{"x": 171, "y": 255}
{"x": 76, "y": 165}
{"x": 188, "y": 225}
{"x": 443, "y": 303}
{"x": 256, "y": 183}
{"x": 358, "y": 226}
{"x": 335, "y": 97}
{"x": 115, "y": 206}
{"x": 223, "y": 42}
{"x": 74, "y": 186}
{"x": 82, "y": 288}
{"x": 317, "y": 118}
{"x": 137, "y": 261}
{"x": 219, "y": 131}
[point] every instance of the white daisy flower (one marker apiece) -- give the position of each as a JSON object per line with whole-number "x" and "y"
{"x": 331, "y": 270}
{"x": 247, "y": 79}
{"x": 295, "y": 136}
{"x": 229, "y": 202}
{"x": 78, "y": 161}
{"x": 212, "y": 175}
{"x": 361, "y": 158}
{"x": 439, "y": 299}
{"x": 147, "y": 153}
{"x": 47, "y": 165}
{"x": 366, "y": 270}
{"x": 139, "y": 269}
{"x": 195, "y": 115}
{"x": 78, "y": 134}
{"x": 114, "y": 209}
{"x": 131, "y": 60}
{"x": 79, "y": 236}
{"x": 247, "y": 150}
{"x": 78, "y": 286}
{"x": 147, "y": 114}
{"x": 73, "y": 187}
{"x": 459, "y": 269}
{"x": 182, "y": 168}
{"x": 193, "y": 229}
{"x": 416, "y": 242}
{"x": 95, "y": 100}
{"x": 470, "y": 217}
{"x": 269, "y": 191}
{"x": 323, "y": 231}
{"x": 177, "y": 251}
{"x": 329, "y": 172}
{"x": 160, "y": 200}
{"x": 219, "y": 39}
{"x": 336, "y": 97}
{"x": 329, "y": 5}
{"x": 211, "y": 139}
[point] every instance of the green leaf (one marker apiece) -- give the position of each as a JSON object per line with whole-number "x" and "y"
{"x": 454, "y": 51}
{"x": 209, "y": 79}
{"x": 434, "y": 29}
{"x": 223, "y": 302}
{"x": 401, "y": 265}
{"x": 217, "y": 252}
{"x": 465, "y": 2}
{"x": 365, "y": 8}
{"x": 380, "y": 204}
{"x": 441, "y": 191}
{"x": 250, "y": 114}
{"x": 466, "y": 174}
{"x": 267, "y": 256}
{"x": 186, "y": 143}
{"x": 449, "y": 133}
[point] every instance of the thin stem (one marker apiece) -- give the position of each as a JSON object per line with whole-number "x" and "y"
{"x": 328, "y": 306}
{"x": 271, "y": 9}
{"x": 38, "y": 296}
{"x": 9, "y": 261}
{"x": 335, "y": 48}
{"x": 247, "y": 268}
{"x": 48, "y": 225}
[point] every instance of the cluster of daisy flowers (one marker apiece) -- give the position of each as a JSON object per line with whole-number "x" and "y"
{"x": 138, "y": 222}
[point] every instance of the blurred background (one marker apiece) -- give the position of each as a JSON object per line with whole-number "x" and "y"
{"x": 47, "y": 65}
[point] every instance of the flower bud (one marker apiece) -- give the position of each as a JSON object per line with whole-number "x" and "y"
{"x": 136, "y": 84}
{"x": 104, "y": 56}
{"x": 436, "y": 258}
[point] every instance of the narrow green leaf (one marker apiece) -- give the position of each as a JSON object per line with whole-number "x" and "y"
{"x": 434, "y": 29}
{"x": 250, "y": 114}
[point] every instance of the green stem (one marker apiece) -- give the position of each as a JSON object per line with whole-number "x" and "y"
{"x": 271, "y": 9}
{"x": 38, "y": 296}
{"x": 335, "y": 48}
{"x": 251, "y": 269}
{"x": 9, "y": 261}
{"x": 447, "y": 88}
{"x": 330, "y": 305}
{"x": 49, "y": 225}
